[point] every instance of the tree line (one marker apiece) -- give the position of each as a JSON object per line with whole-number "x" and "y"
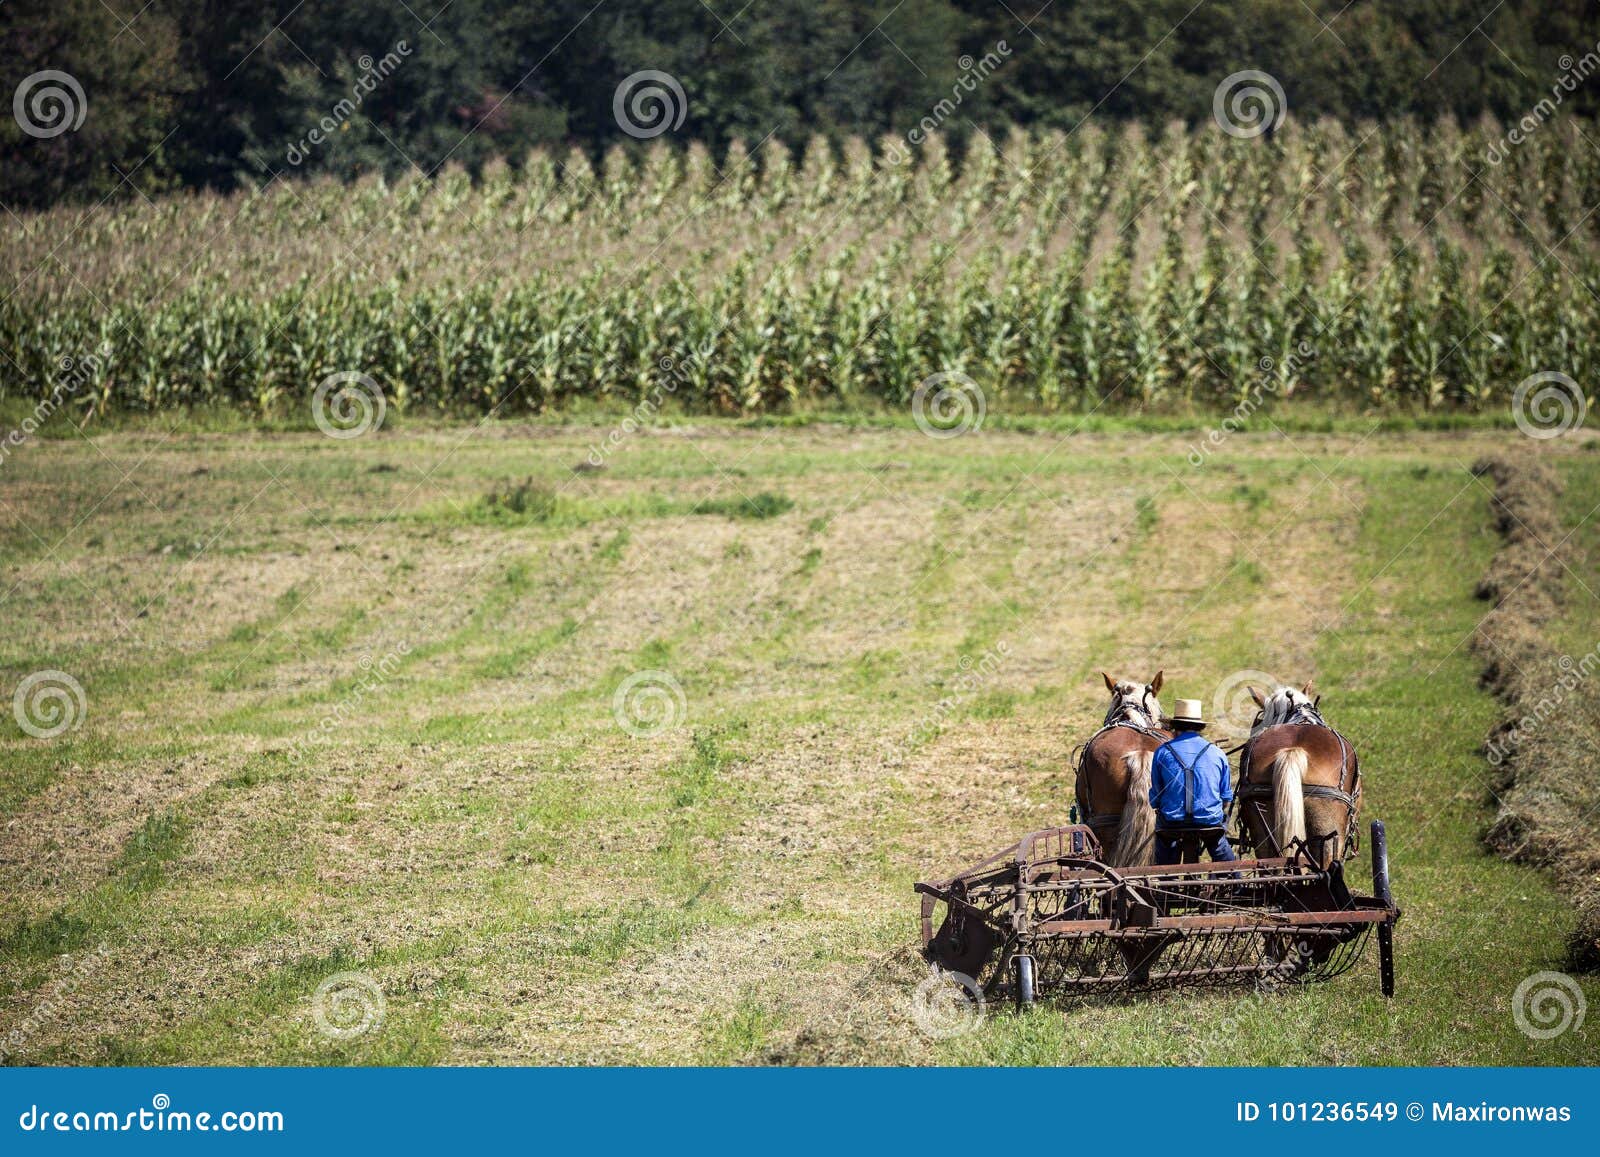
{"x": 212, "y": 93}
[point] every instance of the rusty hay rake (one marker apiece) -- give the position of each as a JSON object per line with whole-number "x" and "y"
{"x": 1047, "y": 917}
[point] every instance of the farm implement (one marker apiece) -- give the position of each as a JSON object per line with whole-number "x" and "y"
{"x": 1047, "y": 917}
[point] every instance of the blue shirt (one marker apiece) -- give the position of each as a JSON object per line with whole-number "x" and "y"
{"x": 1181, "y": 798}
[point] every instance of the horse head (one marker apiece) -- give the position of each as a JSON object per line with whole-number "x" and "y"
{"x": 1134, "y": 703}
{"x": 1286, "y": 705}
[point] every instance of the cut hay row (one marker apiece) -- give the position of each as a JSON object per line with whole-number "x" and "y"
{"x": 1541, "y": 748}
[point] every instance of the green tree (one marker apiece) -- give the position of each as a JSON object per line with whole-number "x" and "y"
{"x": 93, "y": 101}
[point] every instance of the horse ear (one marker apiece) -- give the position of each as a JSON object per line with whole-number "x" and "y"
{"x": 1256, "y": 695}
{"x": 1306, "y": 690}
{"x": 1316, "y": 704}
{"x": 1111, "y": 684}
{"x": 1155, "y": 684}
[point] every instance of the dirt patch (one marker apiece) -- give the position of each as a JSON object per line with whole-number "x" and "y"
{"x": 1547, "y": 777}
{"x": 64, "y": 841}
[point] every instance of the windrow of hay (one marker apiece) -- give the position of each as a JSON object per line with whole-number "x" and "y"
{"x": 1547, "y": 772}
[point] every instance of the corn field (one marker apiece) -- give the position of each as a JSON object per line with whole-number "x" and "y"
{"x": 1389, "y": 266}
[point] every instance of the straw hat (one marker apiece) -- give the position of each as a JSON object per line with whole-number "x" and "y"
{"x": 1188, "y": 711}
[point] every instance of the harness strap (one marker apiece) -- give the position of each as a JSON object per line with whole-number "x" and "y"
{"x": 1188, "y": 789}
{"x": 1150, "y": 731}
{"x": 1314, "y": 790}
{"x": 1351, "y": 798}
{"x": 1188, "y": 784}
{"x": 1090, "y": 816}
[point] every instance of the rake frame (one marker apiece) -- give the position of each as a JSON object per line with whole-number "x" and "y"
{"x": 1046, "y": 916}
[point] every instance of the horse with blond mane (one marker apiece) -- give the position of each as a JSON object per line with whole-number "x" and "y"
{"x": 1113, "y": 780}
{"x": 1299, "y": 779}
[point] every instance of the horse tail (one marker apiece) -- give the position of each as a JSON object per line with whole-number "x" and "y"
{"x": 1138, "y": 824}
{"x": 1288, "y": 798}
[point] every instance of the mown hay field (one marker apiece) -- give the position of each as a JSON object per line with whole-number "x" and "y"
{"x": 351, "y": 706}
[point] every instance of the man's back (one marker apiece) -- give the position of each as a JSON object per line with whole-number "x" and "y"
{"x": 1190, "y": 782}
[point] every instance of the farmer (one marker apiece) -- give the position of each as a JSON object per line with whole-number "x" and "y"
{"x": 1189, "y": 788}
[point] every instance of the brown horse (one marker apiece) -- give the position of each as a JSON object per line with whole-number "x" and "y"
{"x": 1298, "y": 779}
{"x": 1113, "y": 782}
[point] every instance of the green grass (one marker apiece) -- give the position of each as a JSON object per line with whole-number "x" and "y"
{"x": 739, "y": 1035}
{"x": 763, "y": 505}
{"x": 408, "y": 1032}
{"x": 526, "y": 881}
{"x": 1293, "y": 417}
{"x": 144, "y": 859}
{"x": 141, "y": 866}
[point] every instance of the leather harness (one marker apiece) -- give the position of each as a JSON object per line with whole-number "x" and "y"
{"x": 1349, "y": 796}
{"x": 1091, "y": 817}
